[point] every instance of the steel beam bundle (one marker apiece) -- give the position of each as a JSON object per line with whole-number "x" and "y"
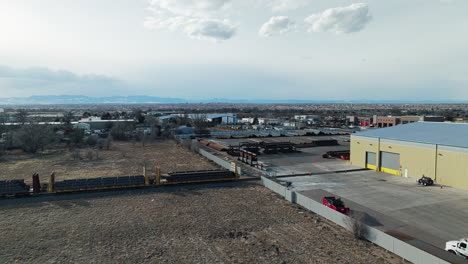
{"x": 99, "y": 183}
{"x": 194, "y": 176}
{"x": 13, "y": 187}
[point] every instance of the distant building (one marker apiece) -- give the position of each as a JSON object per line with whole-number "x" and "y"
{"x": 184, "y": 130}
{"x": 294, "y": 125}
{"x": 247, "y": 120}
{"x": 387, "y": 121}
{"x": 459, "y": 120}
{"x": 220, "y": 118}
{"x": 433, "y": 119}
{"x": 270, "y": 121}
{"x": 96, "y": 123}
{"x": 352, "y": 120}
{"x": 225, "y": 118}
{"x": 309, "y": 119}
{"x": 82, "y": 126}
{"x": 410, "y": 119}
{"x": 365, "y": 121}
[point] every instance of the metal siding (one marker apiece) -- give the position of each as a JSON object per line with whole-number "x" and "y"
{"x": 369, "y": 139}
{"x": 390, "y": 160}
{"x": 371, "y": 158}
{"x": 407, "y": 144}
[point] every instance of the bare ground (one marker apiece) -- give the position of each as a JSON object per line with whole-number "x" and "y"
{"x": 123, "y": 159}
{"x": 212, "y": 223}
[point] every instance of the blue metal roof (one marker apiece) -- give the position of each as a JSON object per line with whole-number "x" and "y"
{"x": 448, "y": 134}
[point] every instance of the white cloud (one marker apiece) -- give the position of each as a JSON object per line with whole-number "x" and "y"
{"x": 286, "y": 5}
{"x": 340, "y": 20}
{"x": 197, "y": 18}
{"x": 213, "y": 29}
{"x": 277, "y": 25}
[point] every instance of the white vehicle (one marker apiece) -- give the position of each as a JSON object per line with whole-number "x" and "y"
{"x": 458, "y": 247}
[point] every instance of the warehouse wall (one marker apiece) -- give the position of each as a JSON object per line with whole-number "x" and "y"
{"x": 452, "y": 167}
{"x": 416, "y": 159}
{"x": 359, "y": 147}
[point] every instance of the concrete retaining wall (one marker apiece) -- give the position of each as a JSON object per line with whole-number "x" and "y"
{"x": 223, "y": 163}
{"x": 375, "y": 236}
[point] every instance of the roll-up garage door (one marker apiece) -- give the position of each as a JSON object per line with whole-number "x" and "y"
{"x": 390, "y": 163}
{"x": 371, "y": 160}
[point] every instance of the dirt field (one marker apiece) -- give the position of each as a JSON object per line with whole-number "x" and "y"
{"x": 122, "y": 159}
{"x": 212, "y": 223}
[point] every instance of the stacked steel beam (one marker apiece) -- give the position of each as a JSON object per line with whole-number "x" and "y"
{"x": 13, "y": 187}
{"x": 194, "y": 176}
{"x": 99, "y": 183}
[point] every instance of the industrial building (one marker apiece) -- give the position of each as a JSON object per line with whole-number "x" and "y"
{"x": 433, "y": 149}
{"x": 389, "y": 121}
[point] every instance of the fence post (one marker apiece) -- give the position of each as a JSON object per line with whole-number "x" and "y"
{"x": 157, "y": 179}
{"x": 145, "y": 175}
{"x": 50, "y": 187}
{"x": 36, "y": 183}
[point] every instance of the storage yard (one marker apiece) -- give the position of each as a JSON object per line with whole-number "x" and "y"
{"x": 228, "y": 223}
{"x": 306, "y": 158}
{"x": 123, "y": 159}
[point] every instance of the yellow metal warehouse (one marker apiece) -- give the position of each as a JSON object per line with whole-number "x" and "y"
{"x": 436, "y": 150}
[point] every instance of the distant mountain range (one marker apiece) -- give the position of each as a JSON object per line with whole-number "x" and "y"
{"x": 81, "y": 99}
{"x": 142, "y": 99}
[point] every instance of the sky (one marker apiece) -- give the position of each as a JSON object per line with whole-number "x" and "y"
{"x": 236, "y": 49}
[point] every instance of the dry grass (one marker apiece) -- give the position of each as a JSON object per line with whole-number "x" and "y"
{"x": 211, "y": 223}
{"x": 123, "y": 158}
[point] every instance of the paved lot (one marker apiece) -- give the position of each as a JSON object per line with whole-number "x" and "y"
{"x": 432, "y": 214}
{"x": 298, "y": 139}
{"x": 307, "y": 160}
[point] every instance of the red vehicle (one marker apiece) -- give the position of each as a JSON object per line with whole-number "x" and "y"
{"x": 335, "y": 204}
{"x": 344, "y": 157}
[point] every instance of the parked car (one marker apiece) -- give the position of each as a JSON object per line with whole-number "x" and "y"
{"x": 425, "y": 181}
{"x": 458, "y": 247}
{"x": 336, "y": 204}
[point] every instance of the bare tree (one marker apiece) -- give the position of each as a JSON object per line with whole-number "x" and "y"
{"x": 77, "y": 136}
{"x": 89, "y": 155}
{"x": 182, "y": 120}
{"x": 91, "y": 141}
{"x": 195, "y": 147}
{"x": 21, "y": 116}
{"x": 153, "y": 122}
{"x": 121, "y": 131}
{"x": 68, "y": 118}
{"x": 3, "y": 131}
{"x": 34, "y": 137}
{"x": 186, "y": 143}
{"x": 76, "y": 154}
{"x": 141, "y": 137}
{"x": 139, "y": 115}
{"x": 357, "y": 225}
{"x": 200, "y": 123}
{"x": 108, "y": 142}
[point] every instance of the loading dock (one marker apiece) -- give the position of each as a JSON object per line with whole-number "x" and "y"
{"x": 371, "y": 160}
{"x": 390, "y": 163}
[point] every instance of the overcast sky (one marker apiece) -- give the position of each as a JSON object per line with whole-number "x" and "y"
{"x": 261, "y": 49}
